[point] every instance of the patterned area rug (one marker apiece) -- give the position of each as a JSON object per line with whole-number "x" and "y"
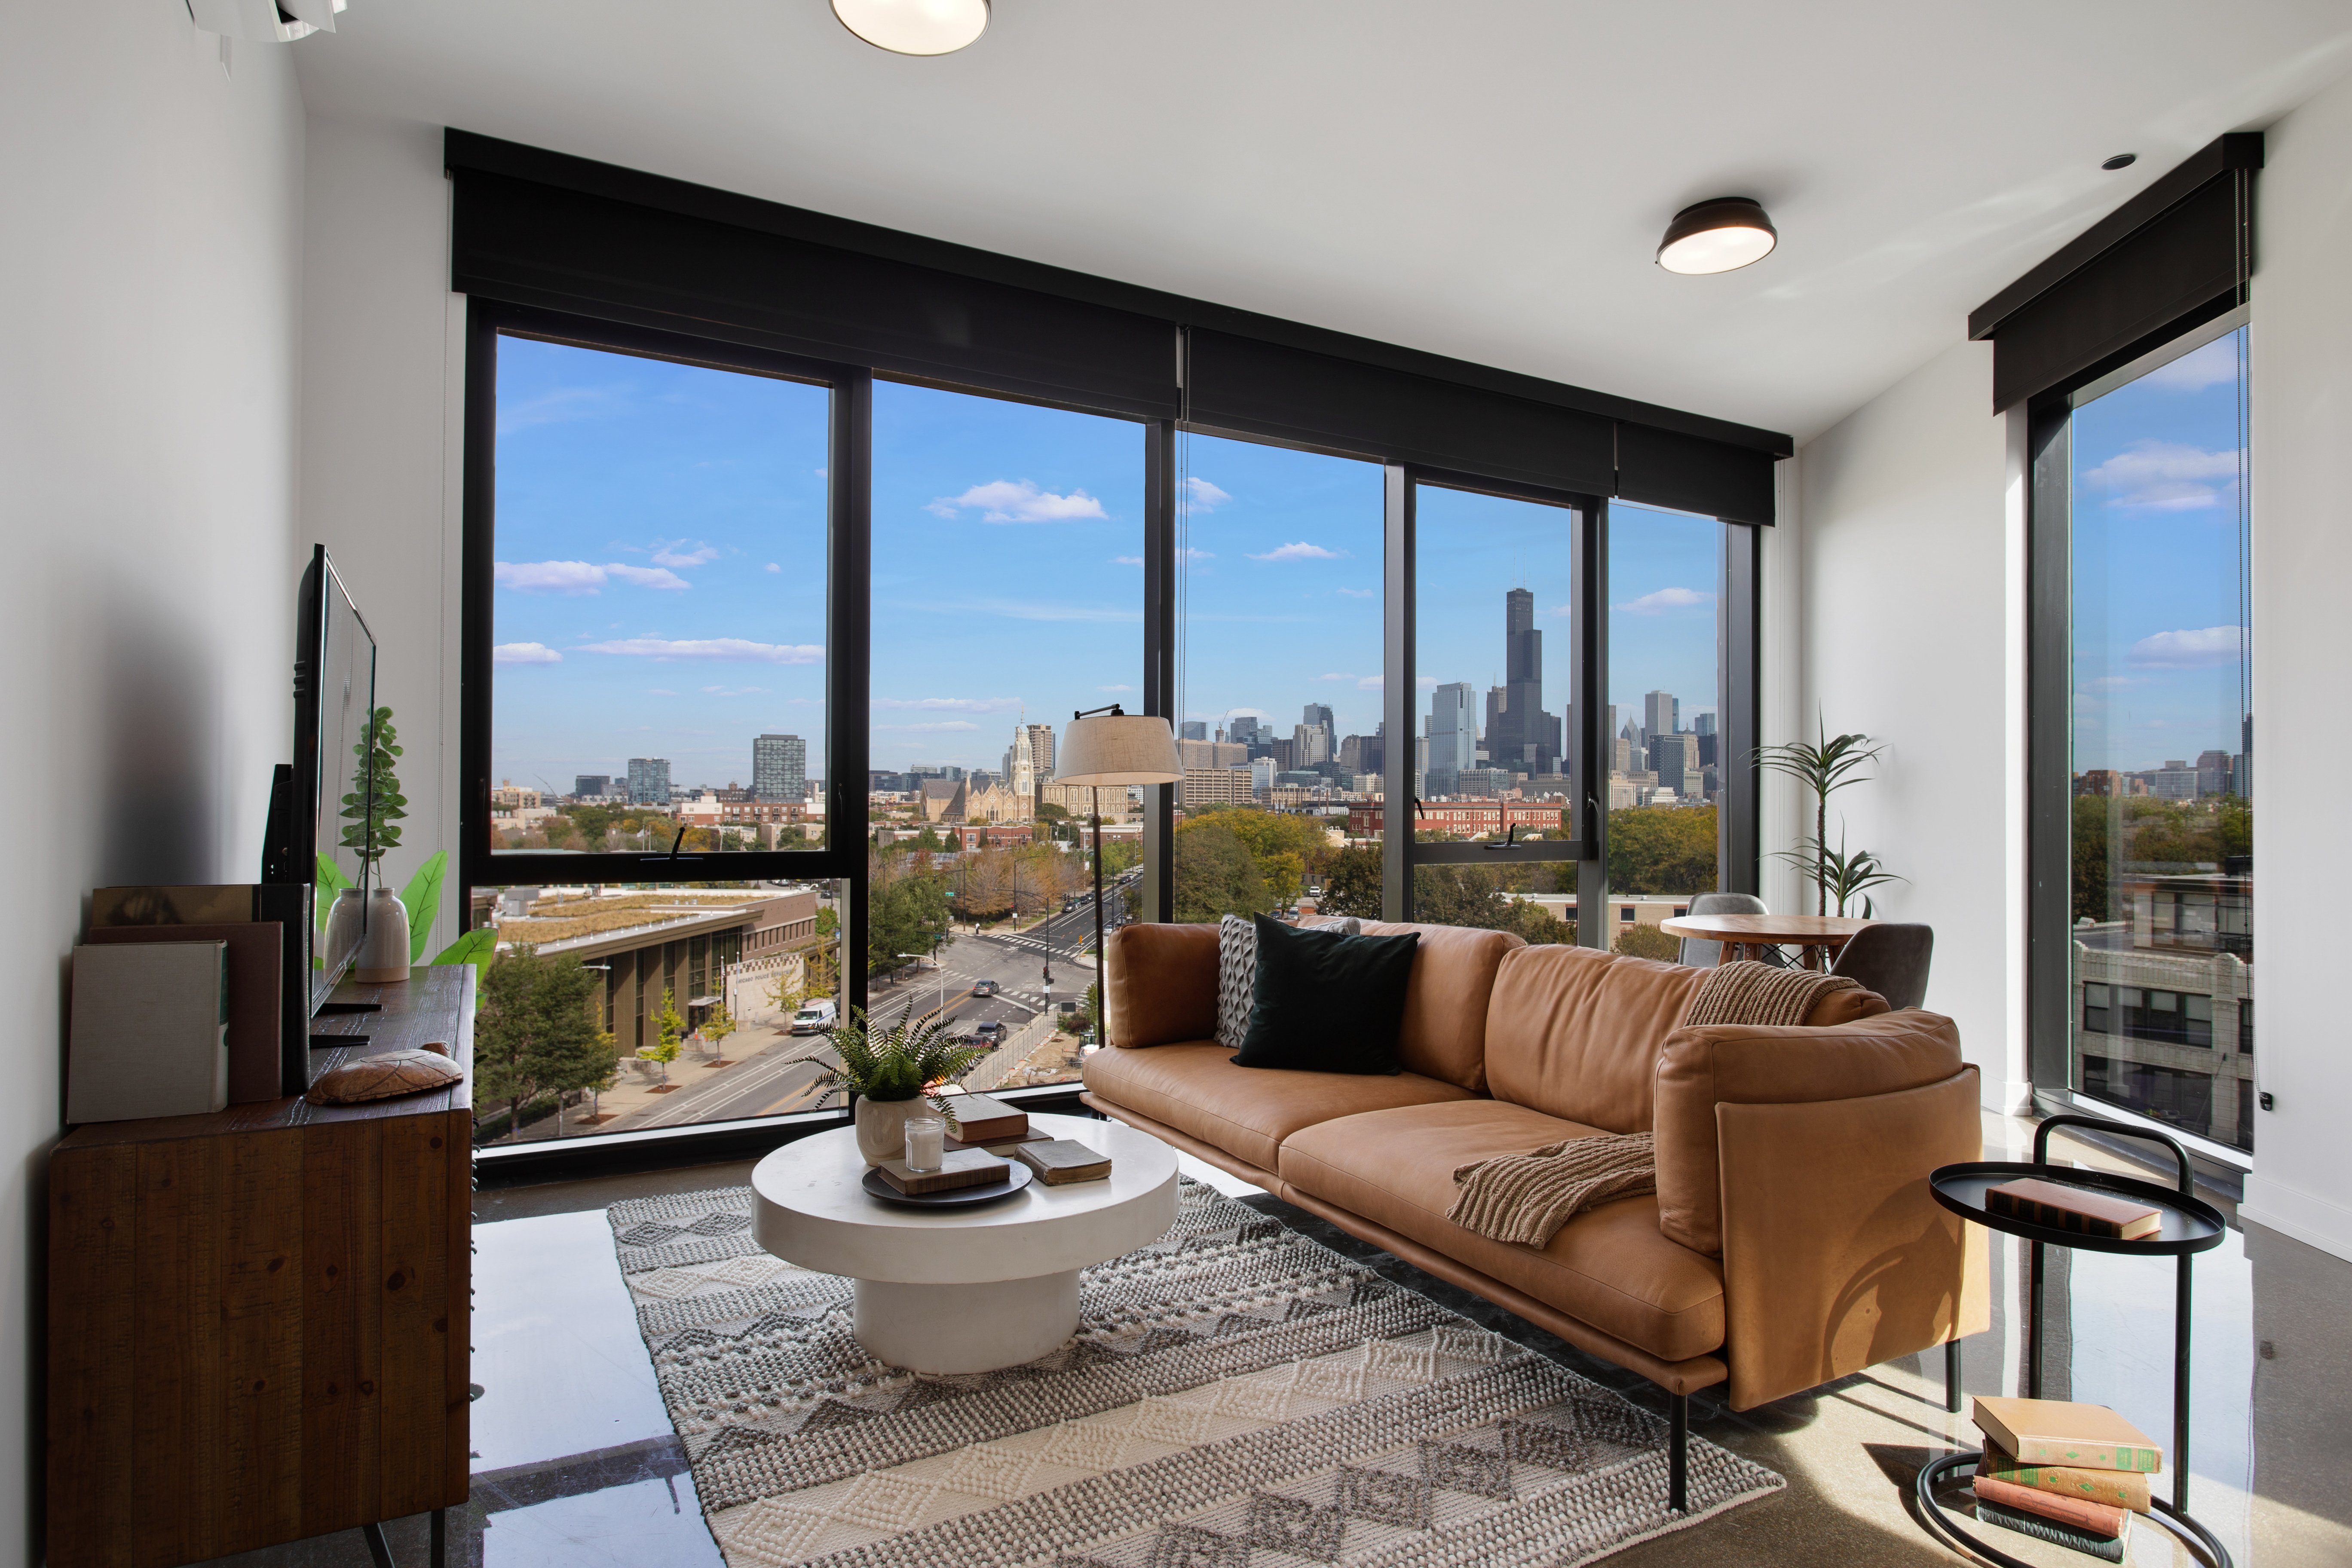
{"x": 1237, "y": 1396}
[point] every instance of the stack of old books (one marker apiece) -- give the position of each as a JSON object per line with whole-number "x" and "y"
{"x": 986, "y": 1124}
{"x": 2059, "y": 1472}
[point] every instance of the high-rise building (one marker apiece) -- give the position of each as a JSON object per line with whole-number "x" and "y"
{"x": 1703, "y": 725}
{"x": 1662, "y": 713}
{"x": 1453, "y": 728}
{"x": 1242, "y": 728}
{"x": 779, "y": 768}
{"x": 648, "y": 780}
{"x": 1363, "y": 753}
{"x": 1197, "y": 753}
{"x": 1636, "y": 749}
{"x": 1311, "y": 743}
{"x": 1317, "y": 713}
{"x": 1520, "y": 736}
{"x": 2215, "y": 772}
{"x": 1674, "y": 757}
{"x": 1029, "y": 765}
{"x": 1193, "y": 730}
{"x": 591, "y": 786}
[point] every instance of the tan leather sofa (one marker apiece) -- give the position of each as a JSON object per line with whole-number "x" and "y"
{"x": 1792, "y": 1239}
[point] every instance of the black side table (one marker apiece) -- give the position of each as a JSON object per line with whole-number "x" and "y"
{"x": 2190, "y": 1226}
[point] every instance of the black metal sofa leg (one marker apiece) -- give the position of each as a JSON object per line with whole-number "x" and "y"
{"x": 1678, "y": 1452}
{"x": 1952, "y": 1376}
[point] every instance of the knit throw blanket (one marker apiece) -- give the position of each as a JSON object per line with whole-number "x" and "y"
{"x": 1748, "y": 992}
{"x": 1526, "y": 1198}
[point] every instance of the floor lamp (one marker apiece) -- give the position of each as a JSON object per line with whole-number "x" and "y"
{"x": 1110, "y": 747}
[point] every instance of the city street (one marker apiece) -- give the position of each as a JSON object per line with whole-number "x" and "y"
{"x": 771, "y": 1072}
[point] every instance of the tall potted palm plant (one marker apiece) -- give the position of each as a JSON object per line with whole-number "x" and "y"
{"x": 1823, "y": 767}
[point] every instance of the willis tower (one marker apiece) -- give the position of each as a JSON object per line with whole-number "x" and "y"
{"x": 1520, "y": 736}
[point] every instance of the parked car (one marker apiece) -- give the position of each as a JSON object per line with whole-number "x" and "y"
{"x": 815, "y": 1017}
{"x": 983, "y": 987}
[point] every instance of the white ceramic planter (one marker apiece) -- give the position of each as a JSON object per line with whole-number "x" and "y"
{"x": 383, "y": 951}
{"x": 882, "y": 1127}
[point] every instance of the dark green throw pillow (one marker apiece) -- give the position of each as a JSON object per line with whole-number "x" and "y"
{"x": 1326, "y": 1003}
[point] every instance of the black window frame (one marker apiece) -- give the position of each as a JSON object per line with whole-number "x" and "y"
{"x": 848, "y": 641}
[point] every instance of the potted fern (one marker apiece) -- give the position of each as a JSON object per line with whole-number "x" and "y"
{"x": 895, "y": 1071}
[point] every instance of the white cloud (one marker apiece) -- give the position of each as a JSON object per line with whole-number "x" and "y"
{"x": 951, "y": 704}
{"x": 2211, "y": 365}
{"x": 560, "y": 406}
{"x": 1302, "y": 551}
{"x": 1664, "y": 599}
{"x": 734, "y": 650}
{"x": 576, "y": 577}
{"x": 647, "y": 577}
{"x": 731, "y": 691}
{"x": 2166, "y": 476}
{"x": 1359, "y": 593}
{"x": 1114, "y": 689}
{"x": 1029, "y": 610}
{"x": 2202, "y": 648}
{"x": 548, "y": 576}
{"x": 1335, "y": 677}
{"x": 1375, "y": 683}
{"x": 1203, "y": 496}
{"x": 771, "y": 566}
{"x": 1196, "y": 556}
{"x": 669, "y": 554}
{"x": 1126, "y": 560}
{"x": 1008, "y": 501}
{"x": 524, "y": 653}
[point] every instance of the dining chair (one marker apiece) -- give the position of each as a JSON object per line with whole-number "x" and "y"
{"x": 1700, "y": 954}
{"x": 1890, "y": 958}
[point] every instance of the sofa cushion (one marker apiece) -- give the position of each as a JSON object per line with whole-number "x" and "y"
{"x": 1608, "y": 1266}
{"x": 1162, "y": 985}
{"x": 1739, "y": 1065}
{"x": 1323, "y": 1001}
{"x": 1443, "y": 1034}
{"x": 1575, "y": 1032}
{"x": 1246, "y": 1111}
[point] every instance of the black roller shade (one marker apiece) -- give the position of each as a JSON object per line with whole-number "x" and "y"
{"x": 532, "y": 243}
{"x": 2179, "y": 253}
{"x": 1689, "y": 473}
{"x": 1266, "y": 389}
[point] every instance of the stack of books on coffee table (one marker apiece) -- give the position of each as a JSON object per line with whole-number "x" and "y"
{"x": 2063, "y": 1472}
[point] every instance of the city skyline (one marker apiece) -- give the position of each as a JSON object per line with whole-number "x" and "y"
{"x": 659, "y": 589}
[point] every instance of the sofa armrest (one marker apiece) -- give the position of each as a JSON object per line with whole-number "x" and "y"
{"x": 1159, "y": 984}
{"x": 1701, "y": 1068}
{"x": 1836, "y": 1256}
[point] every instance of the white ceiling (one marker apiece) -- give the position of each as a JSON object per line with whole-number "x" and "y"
{"x": 1474, "y": 177}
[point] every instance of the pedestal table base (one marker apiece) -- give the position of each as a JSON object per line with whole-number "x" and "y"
{"x": 967, "y": 1328}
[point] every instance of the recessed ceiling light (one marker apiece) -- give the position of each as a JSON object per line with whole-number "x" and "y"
{"x": 1720, "y": 235}
{"x": 2121, "y": 161}
{"x": 915, "y": 27}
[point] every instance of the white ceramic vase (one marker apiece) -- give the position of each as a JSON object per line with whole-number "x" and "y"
{"x": 345, "y": 917}
{"x": 383, "y": 951}
{"x": 882, "y": 1127}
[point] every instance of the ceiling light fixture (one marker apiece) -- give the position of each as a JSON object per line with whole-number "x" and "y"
{"x": 2120, "y": 161}
{"x": 1720, "y": 235}
{"x": 915, "y": 27}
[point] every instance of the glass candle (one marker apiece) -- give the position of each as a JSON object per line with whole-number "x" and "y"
{"x": 926, "y": 1143}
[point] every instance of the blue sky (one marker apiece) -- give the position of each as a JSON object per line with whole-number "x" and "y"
{"x": 2157, "y": 512}
{"x": 661, "y": 557}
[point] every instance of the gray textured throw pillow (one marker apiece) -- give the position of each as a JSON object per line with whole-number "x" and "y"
{"x": 1237, "y": 970}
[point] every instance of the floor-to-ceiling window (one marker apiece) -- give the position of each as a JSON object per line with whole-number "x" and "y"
{"x": 1667, "y": 767}
{"x": 1278, "y": 682}
{"x": 1007, "y": 595}
{"x": 2160, "y": 768}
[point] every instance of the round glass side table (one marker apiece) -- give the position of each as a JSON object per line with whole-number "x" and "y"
{"x": 2190, "y": 1225}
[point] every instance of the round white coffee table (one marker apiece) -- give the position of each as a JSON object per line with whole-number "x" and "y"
{"x": 971, "y": 1290}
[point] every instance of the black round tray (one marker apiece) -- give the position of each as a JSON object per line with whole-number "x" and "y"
{"x": 2191, "y": 1225}
{"x": 1947, "y": 1471}
{"x": 1015, "y": 1178}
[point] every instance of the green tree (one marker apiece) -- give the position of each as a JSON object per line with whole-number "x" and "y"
{"x": 1662, "y": 849}
{"x": 536, "y": 1031}
{"x": 718, "y": 1026}
{"x": 1214, "y": 873}
{"x": 1352, "y": 884}
{"x": 1639, "y": 940}
{"x": 908, "y": 913}
{"x": 374, "y": 806}
{"x": 671, "y": 1031}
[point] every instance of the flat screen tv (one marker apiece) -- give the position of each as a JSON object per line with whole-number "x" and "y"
{"x": 334, "y": 711}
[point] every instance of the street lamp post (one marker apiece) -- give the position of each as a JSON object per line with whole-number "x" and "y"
{"x": 918, "y": 958}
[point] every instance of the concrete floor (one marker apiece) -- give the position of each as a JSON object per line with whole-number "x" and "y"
{"x": 576, "y": 1463}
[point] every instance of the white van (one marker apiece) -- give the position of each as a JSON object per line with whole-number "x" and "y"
{"x": 815, "y": 1017}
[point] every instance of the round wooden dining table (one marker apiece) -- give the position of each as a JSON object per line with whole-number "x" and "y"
{"x": 1746, "y": 936}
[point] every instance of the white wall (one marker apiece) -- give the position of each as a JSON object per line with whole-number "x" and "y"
{"x": 382, "y": 360}
{"x": 1901, "y": 555}
{"x": 148, "y": 425}
{"x": 2300, "y": 358}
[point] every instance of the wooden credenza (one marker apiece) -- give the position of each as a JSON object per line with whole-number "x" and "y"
{"x": 257, "y": 1319}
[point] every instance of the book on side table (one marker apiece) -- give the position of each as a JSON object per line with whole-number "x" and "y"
{"x": 2108, "y": 1549}
{"x": 959, "y": 1168}
{"x": 981, "y": 1119}
{"x": 2061, "y": 1431}
{"x": 2071, "y": 1208}
{"x": 1062, "y": 1161}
